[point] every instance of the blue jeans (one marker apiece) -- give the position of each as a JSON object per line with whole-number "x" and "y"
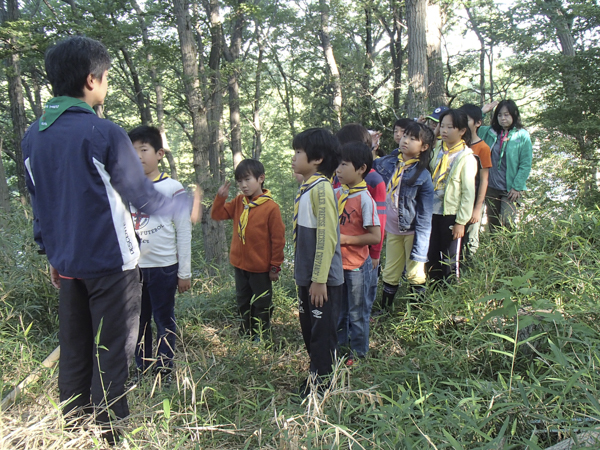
{"x": 353, "y": 323}
{"x": 158, "y": 300}
{"x": 372, "y": 291}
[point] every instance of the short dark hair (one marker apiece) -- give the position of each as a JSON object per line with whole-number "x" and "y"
{"x": 402, "y": 123}
{"x": 473, "y": 111}
{"x": 69, "y": 63}
{"x": 358, "y": 154}
{"x": 249, "y": 167}
{"x": 460, "y": 121}
{"x": 354, "y": 132}
{"x": 427, "y": 137}
{"x": 319, "y": 143}
{"x": 147, "y": 135}
{"x": 513, "y": 110}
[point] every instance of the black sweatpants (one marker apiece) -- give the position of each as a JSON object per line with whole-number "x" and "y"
{"x": 254, "y": 293}
{"x": 99, "y": 320}
{"x": 319, "y": 328}
{"x": 444, "y": 252}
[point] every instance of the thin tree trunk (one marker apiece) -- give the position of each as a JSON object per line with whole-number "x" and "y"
{"x": 160, "y": 106}
{"x": 257, "y": 139}
{"x": 287, "y": 98}
{"x": 477, "y": 31}
{"x": 140, "y": 99}
{"x": 17, "y": 106}
{"x": 417, "y": 57}
{"x": 331, "y": 64}
{"x": 435, "y": 65}
{"x": 215, "y": 249}
{"x": 4, "y": 192}
{"x": 232, "y": 55}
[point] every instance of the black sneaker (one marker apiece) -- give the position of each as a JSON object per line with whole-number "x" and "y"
{"x": 306, "y": 388}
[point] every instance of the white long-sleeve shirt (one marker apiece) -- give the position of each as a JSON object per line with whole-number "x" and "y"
{"x": 165, "y": 240}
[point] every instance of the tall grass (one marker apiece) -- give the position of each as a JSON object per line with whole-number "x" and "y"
{"x": 506, "y": 358}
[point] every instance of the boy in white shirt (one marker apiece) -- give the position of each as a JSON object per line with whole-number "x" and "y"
{"x": 165, "y": 259}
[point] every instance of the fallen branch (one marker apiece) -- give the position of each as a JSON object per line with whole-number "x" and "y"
{"x": 49, "y": 362}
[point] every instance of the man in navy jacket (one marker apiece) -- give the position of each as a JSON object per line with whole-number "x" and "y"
{"x": 82, "y": 171}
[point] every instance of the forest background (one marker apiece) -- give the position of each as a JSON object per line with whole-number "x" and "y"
{"x": 227, "y": 80}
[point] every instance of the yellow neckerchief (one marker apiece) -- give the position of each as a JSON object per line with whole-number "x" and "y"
{"x": 346, "y": 192}
{"x": 160, "y": 177}
{"x": 248, "y": 205}
{"x": 400, "y": 166}
{"x": 441, "y": 169}
{"x": 308, "y": 184}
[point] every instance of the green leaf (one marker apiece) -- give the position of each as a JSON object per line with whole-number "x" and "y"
{"x": 167, "y": 408}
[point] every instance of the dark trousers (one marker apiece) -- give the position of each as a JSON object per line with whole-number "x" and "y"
{"x": 99, "y": 321}
{"x": 158, "y": 300}
{"x": 254, "y": 292}
{"x": 319, "y": 328}
{"x": 501, "y": 212}
{"x": 444, "y": 252}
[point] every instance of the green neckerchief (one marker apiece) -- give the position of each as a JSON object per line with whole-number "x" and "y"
{"x": 58, "y": 105}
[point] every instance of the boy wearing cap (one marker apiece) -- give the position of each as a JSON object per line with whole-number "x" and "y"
{"x": 433, "y": 119}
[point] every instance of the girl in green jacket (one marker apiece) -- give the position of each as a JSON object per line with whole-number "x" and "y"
{"x": 511, "y": 163}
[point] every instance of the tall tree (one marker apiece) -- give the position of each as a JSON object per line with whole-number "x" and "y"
{"x": 15, "y": 93}
{"x": 232, "y": 55}
{"x": 331, "y": 63}
{"x": 436, "y": 91}
{"x": 418, "y": 80}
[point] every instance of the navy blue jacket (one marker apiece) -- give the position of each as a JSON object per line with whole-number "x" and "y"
{"x": 81, "y": 173}
{"x": 415, "y": 203}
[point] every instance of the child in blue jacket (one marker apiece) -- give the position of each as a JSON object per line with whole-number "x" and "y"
{"x": 409, "y": 204}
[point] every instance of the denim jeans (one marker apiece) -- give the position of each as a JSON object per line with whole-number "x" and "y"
{"x": 353, "y": 323}
{"x": 158, "y": 300}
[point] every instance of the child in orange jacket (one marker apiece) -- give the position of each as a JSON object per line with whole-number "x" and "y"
{"x": 256, "y": 245}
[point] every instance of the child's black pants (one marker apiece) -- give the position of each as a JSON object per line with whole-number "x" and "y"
{"x": 319, "y": 328}
{"x": 254, "y": 293}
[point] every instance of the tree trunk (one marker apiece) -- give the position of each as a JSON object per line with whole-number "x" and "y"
{"x": 331, "y": 63}
{"x": 140, "y": 99}
{"x": 417, "y": 57}
{"x": 257, "y": 139}
{"x": 435, "y": 65}
{"x": 232, "y": 55}
{"x": 477, "y": 31}
{"x": 17, "y": 106}
{"x": 215, "y": 248}
{"x": 287, "y": 97}
{"x": 160, "y": 106}
{"x": 213, "y": 234}
{"x": 4, "y": 192}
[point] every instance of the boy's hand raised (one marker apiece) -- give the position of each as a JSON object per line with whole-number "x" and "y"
{"x": 224, "y": 190}
{"x": 318, "y": 294}
{"x": 196, "y": 214}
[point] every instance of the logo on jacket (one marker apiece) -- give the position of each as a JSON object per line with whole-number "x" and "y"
{"x": 140, "y": 220}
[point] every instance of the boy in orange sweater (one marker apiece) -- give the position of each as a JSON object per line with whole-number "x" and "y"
{"x": 256, "y": 245}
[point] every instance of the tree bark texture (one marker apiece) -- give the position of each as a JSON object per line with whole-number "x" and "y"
{"x": 213, "y": 234}
{"x": 336, "y": 84}
{"x": 4, "y": 192}
{"x": 435, "y": 66}
{"x": 17, "y": 106}
{"x": 257, "y": 139}
{"x": 416, "y": 12}
{"x": 232, "y": 55}
{"x": 475, "y": 27}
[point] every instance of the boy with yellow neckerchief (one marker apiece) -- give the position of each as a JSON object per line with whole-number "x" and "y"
{"x": 256, "y": 245}
{"x": 318, "y": 259}
{"x": 165, "y": 260}
{"x": 359, "y": 228}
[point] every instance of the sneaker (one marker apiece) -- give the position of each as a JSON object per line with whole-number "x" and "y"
{"x": 350, "y": 361}
{"x": 305, "y": 389}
